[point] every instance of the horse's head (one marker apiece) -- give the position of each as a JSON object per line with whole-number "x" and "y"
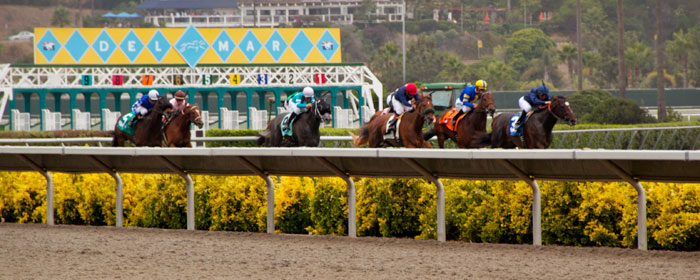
{"x": 194, "y": 114}
{"x": 163, "y": 105}
{"x": 323, "y": 110}
{"x": 486, "y": 104}
{"x": 561, "y": 109}
{"x": 425, "y": 108}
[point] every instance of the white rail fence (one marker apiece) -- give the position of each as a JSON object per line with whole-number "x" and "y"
{"x": 228, "y": 119}
{"x": 257, "y": 118}
{"x": 51, "y": 120}
{"x": 109, "y": 119}
{"x": 22, "y": 121}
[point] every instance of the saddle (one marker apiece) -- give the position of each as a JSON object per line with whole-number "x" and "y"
{"x": 392, "y": 131}
{"x": 123, "y": 123}
{"x": 287, "y": 132}
{"x": 511, "y": 123}
{"x": 447, "y": 119}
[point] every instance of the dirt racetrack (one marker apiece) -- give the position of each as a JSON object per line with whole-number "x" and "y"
{"x": 33, "y": 251}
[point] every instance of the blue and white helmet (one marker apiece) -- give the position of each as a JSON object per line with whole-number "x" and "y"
{"x": 153, "y": 95}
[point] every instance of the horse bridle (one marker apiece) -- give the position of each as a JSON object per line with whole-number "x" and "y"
{"x": 549, "y": 109}
{"x": 199, "y": 116}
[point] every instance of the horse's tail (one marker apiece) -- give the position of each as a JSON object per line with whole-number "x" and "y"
{"x": 363, "y": 138}
{"x": 429, "y": 134}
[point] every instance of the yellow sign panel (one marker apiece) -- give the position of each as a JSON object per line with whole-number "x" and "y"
{"x": 479, "y": 44}
{"x": 191, "y": 45}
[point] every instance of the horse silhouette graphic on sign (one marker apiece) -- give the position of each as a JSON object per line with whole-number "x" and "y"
{"x": 196, "y": 45}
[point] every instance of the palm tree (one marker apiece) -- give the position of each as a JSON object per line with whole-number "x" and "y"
{"x": 660, "y": 93}
{"x": 579, "y": 62}
{"x": 568, "y": 55}
{"x": 680, "y": 46}
{"x": 637, "y": 55}
{"x": 622, "y": 79}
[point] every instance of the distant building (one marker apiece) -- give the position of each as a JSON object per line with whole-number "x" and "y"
{"x": 262, "y": 13}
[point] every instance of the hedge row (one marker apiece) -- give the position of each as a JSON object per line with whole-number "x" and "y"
{"x": 580, "y": 214}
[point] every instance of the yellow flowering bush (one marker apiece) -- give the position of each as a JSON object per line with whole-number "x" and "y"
{"x": 579, "y": 214}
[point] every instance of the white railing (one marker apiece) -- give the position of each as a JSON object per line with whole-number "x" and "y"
{"x": 51, "y": 120}
{"x": 81, "y": 120}
{"x": 205, "y": 120}
{"x": 109, "y": 119}
{"x": 257, "y": 118}
{"x": 366, "y": 114}
{"x": 229, "y": 119}
{"x": 343, "y": 117}
{"x": 20, "y": 121}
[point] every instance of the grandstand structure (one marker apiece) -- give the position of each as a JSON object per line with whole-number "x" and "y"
{"x": 263, "y": 13}
{"x": 350, "y": 86}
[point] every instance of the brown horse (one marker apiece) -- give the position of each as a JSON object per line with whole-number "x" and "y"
{"x": 410, "y": 128}
{"x": 177, "y": 129}
{"x": 537, "y": 131}
{"x": 148, "y": 130}
{"x": 470, "y": 129}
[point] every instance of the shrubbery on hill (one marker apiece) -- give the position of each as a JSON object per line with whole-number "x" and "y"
{"x": 599, "y": 106}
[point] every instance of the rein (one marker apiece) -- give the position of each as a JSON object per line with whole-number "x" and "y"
{"x": 549, "y": 109}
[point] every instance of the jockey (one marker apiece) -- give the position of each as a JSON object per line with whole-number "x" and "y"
{"x": 536, "y": 97}
{"x": 179, "y": 102}
{"x": 299, "y": 103}
{"x": 470, "y": 95}
{"x": 399, "y": 100}
{"x": 144, "y": 105}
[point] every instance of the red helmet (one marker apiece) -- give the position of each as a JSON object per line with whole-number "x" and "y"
{"x": 411, "y": 88}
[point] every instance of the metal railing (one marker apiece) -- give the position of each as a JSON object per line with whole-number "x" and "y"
{"x": 652, "y": 138}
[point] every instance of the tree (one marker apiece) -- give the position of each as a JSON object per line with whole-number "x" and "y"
{"x": 678, "y": 48}
{"x": 660, "y": 93}
{"x": 61, "y": 17}
{"x": 568, "y": 55}
{"x": 639, "y": 57}
{"x": 579, "y": 60}
{"x": 524, "y": 46}
{"x": 622, "y": 79}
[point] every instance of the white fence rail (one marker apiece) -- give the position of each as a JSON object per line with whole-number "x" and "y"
{"x": 343, "y": 117}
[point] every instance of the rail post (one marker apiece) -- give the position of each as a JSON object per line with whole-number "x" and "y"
{"x": 190, "y": 190}
{"x": 536, "y": 205}
{"x": 641, "y": 202}
{"x": 441, "y": 235}
{"x": 270, "y": 192}
{"x": 49, "y": 187}
{"x": 118, "y": 189}
{"x": 352, "y": 212}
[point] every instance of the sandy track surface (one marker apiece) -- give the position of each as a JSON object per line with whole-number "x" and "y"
{"x": 33, "y": 251}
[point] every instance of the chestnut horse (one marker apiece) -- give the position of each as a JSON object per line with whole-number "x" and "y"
{"x": 177, "y": 129}
{"x": 537, "y": 131}
{"x": 148, "y": 130}
{"x": 469, "y": 129}
{"x": 410, "y": 128}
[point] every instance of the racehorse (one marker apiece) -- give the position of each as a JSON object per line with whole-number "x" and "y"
{"x": 410, "y": 128}
{"x": 537, "y": 130}
{"x": 304, "y": 129}
{"x": 148, "y": 130}
{"x": 469, "y": 129}
{"x": 177, "y": 128}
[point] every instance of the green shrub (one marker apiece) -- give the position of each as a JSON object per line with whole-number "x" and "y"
{"x": 329, "y": 207}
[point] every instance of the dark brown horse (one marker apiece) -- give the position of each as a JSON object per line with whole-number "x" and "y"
{"x": 305, "y": 130}
{"x": 410, "y": 128}
{"x": 177, "y": 129}
{"x": 148, "y": 130}
{"x": 470, "y": 129}
{"x": 537, "y": 130}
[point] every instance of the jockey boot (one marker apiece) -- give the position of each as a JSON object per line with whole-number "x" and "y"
{"x": 131, "y": 122}
{"x": 285, "y": 125}
{"x": 454, "y": 119}
{"x": 520, "y": 120}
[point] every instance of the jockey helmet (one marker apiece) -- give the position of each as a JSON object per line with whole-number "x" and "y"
{"x": 543, "y": 89}
{"x": 480, "y": 84}
{"x": 180, "y": 95}
{"x": 308, "y": 92}
{"x": 153, "y": 95}
{"x": 411, "y": 88}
